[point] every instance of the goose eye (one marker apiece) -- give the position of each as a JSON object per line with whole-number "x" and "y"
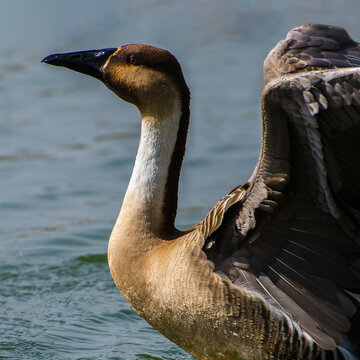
{"x": 133, "y": 60}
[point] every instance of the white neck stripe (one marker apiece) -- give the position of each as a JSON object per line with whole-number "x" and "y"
{"x": 146, "y": 190}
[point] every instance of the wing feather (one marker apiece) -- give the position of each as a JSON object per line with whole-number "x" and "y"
{"x": 294, "y": 238}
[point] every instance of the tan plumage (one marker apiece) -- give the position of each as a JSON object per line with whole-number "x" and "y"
{"x": 273, "y": 271}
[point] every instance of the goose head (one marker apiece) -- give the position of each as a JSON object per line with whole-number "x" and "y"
{"x": 146, "y": 76}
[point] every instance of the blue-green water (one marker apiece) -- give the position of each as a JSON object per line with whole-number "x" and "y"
{"x": 67, "y": 146}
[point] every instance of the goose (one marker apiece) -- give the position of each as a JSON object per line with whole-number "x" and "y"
{"x": 273, "y": 270}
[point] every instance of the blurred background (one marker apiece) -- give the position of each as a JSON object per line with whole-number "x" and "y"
{"x": 67, "y": 147}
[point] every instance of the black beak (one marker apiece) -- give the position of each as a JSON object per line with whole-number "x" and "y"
{"x": 88, "y": 62}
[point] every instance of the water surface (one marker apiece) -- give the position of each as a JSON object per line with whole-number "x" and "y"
{"x": 67, "y": 146}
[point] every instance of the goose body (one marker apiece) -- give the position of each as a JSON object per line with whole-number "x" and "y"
{"x": 273, "y": 271}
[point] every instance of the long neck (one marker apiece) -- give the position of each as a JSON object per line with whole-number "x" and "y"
{"x": 150, "y": 201}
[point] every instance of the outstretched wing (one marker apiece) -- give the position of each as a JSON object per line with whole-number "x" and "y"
{"x": 293, "y": 237}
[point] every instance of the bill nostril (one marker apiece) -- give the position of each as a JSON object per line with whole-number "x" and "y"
{"x": 76, "y": 56}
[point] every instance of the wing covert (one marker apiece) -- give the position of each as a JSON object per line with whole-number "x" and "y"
{"x": 294, "y": 237}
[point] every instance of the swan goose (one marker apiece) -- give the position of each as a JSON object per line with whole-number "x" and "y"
{"x": 273, "y": 271}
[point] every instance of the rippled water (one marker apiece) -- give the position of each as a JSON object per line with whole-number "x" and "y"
{"x": 67, "y": 146}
